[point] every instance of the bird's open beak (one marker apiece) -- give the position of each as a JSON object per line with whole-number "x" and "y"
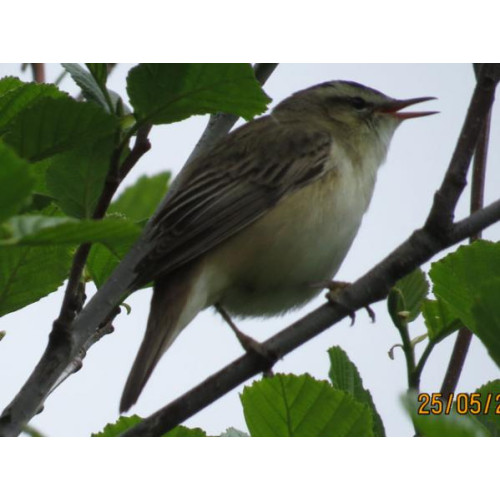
{"x": 395, "y": 106}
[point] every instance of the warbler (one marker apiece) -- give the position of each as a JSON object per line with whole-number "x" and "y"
{"x": 269, "y": 210}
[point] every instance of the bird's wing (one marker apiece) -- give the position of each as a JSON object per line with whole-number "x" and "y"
{"x": 242, "y": 177}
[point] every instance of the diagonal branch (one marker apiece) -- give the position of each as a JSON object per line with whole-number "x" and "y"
{"x": 446, "y": 198}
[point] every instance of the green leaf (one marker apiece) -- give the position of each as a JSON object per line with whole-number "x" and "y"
{"x": 9, "y": 83}
{"x": 21, "y": 96}
{"x": 101, "y": 263}
{"x": 485, "y": 317}
{"x": 76, "y": 178}
{"x": 452, "y": 425}
{"x": 182, "y": 431}
{"x": 441, "y": 425}
{"x": 16, "y": 182}
{"x": 439, "y": 319}
{"x": 116, "y": 233}
{"x": 406, "y": 297}
{"x": 232, "y": 432}
{"x": 86, "y": 81}
{"x": 166, "y": 93}
{"x": 469, "y": 284}
{"x": 291, "y": 405}
{"x": 39, "y": 173}
{"x": 39, "y": 202}
{"x": 27, "y": 274}
{"x": 489, "y": 415}
{"x": 99, "y": 71}
{"x": 103, "y": 260}
{"x": 118, "y": 427}
{"x": 345, "y": 376}
{"x": 125, "y": 423}
{"x": 52, "y": 126}
{"x": 35, "y": 230}
{"x": 121, "y": 110}
{"x": 138, "y": 202}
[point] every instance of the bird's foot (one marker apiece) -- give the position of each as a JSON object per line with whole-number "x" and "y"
{"x": 335, "y": 289}
{"x": 249, "y": 344}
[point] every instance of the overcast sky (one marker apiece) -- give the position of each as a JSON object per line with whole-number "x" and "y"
{"x": 417, "y": 160}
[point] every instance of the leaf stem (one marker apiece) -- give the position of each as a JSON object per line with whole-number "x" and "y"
{"x": 408, "y": 351}
{"x": 104, "y": 89}
{"x": 417, "y": 372}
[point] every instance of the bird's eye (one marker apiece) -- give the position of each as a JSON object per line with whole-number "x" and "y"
{"x": 358, "y": 103}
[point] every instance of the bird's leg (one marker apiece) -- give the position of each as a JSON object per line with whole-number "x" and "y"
{"x": 335, "y": 288}
{"x": 248, "y": 343}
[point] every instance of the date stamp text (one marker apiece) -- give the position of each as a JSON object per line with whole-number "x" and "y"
{"x": 465, "y": 403}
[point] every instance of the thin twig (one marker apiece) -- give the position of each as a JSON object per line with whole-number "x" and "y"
{"x": 446, "y": 198}
{"x": 73, "y": 298}
{"x": 263, "y": 71}
{"x": 61, "y": 77}
{"x": 38, "y": 70}
{"x": 476, "y": 222}
{"x": 141, "y": 146}
{"x": 464, "y": 337}
{"x": 71, "y": 304}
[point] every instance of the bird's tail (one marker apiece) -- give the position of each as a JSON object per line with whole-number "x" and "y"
{"x": 173, "y": 306}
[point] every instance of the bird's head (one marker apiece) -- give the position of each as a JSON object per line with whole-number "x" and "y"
{"x": 348, "y": 109}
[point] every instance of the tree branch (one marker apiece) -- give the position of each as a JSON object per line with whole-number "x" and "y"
{"x": 464, "y": 337}
{"x": 57, "y": 362}
{"x": 446, "y": 198}
{"x": 476, "y": 222}
{"x": 74, "y": 295}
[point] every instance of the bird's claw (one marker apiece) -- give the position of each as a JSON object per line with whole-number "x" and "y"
{"x": 335, "y": 288}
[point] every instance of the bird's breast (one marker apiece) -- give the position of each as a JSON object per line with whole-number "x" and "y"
{"x": 268, "y": 267}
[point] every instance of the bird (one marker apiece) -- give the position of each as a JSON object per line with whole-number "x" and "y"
{"x": 269, "y": 210}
